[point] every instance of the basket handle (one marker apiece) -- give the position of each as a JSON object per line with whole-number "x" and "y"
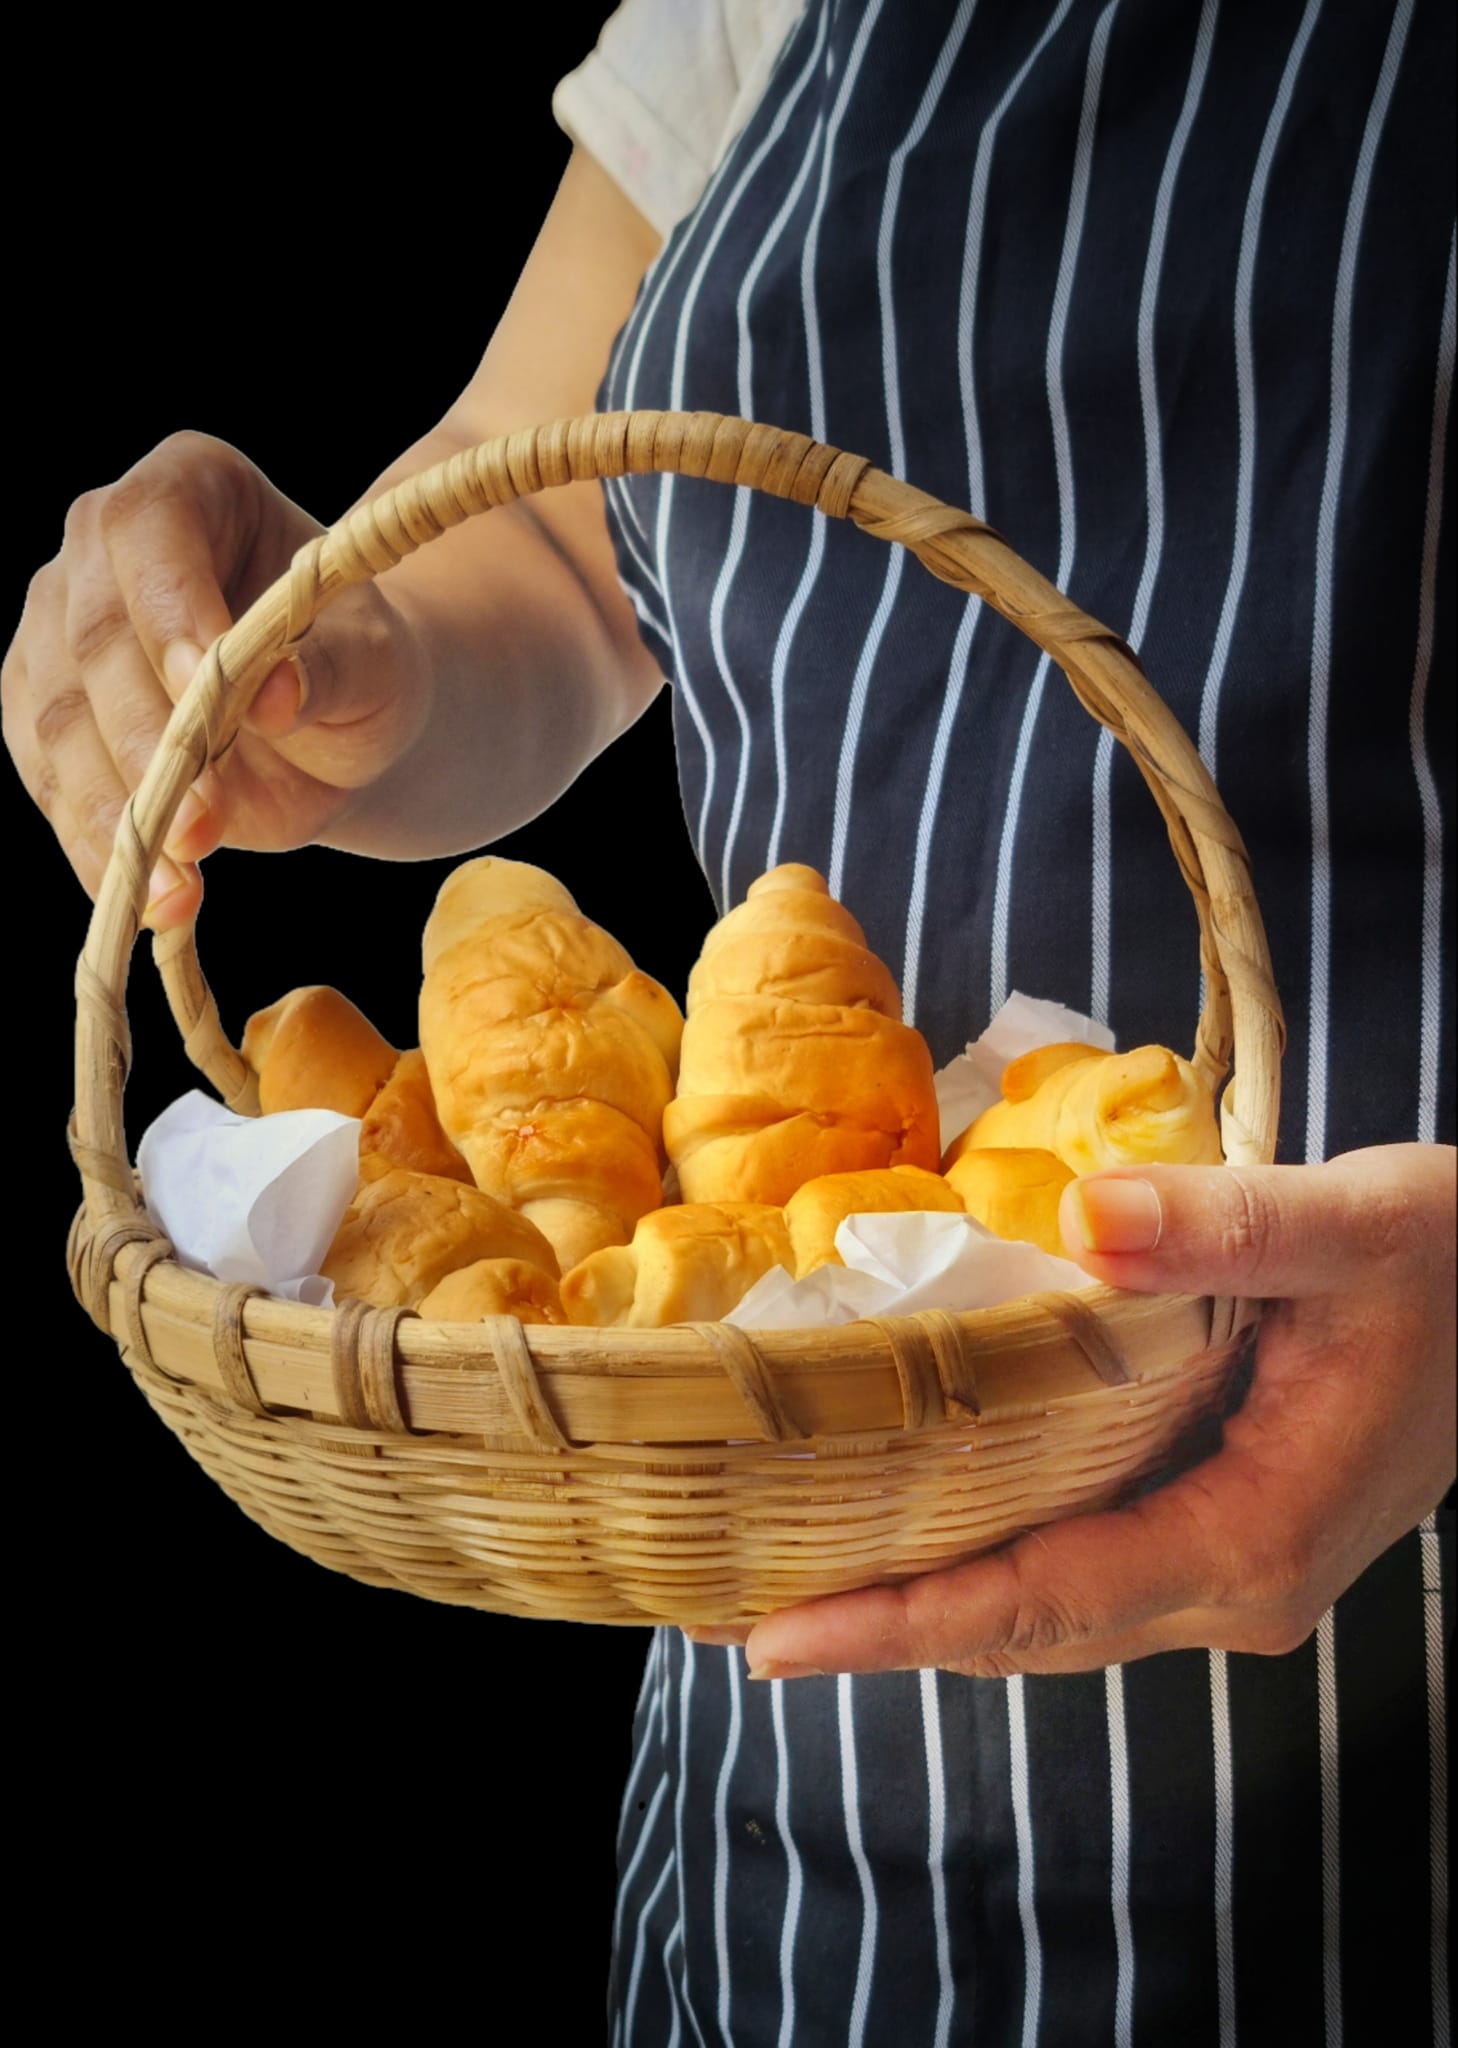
{"x": 1241, "y": 1011}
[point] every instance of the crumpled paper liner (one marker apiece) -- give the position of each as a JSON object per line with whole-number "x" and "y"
{"x": 251, "y": 1198}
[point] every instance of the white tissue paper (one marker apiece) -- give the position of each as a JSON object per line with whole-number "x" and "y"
{"x": 251, "y": 1198}
{"x": 972, "y": 1082}
{"x": 899, "y": 1263}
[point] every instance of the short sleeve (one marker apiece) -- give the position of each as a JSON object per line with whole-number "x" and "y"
{"x": 668, "y": 87}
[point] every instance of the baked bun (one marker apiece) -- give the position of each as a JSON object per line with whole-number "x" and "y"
{"x": 1013, "y": 1193}
{"x": 688, "y": 1264}
{"x": 401, "y": 1128}
{"x": 551, "y": 1057}
{"x": 314, "y": 1050}
{"x": 815, "y": 1211}
{"x": 494, "y": 1287}
{"x": 404, "y": 1232}
{"x": 1103, "y": 1109}
{"x": 795, "y": 1062}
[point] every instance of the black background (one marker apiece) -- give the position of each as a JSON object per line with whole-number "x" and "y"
{"x": 247, "y": 1765}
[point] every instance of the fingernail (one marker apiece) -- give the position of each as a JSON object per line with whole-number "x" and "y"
{"x": 179, "y": 664}
{"x": 774, "y": 1670}
{"x": 718, "y": 1638}
{"x": 189, "y": 811}
{"x": 1116, "y": 1215}
{"x": 167, "y": 879}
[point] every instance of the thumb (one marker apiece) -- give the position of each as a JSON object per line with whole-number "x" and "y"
{"x": 350, "y": 700}
{"x": 1260, "y": 1231}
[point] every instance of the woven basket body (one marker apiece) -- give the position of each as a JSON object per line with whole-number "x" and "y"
{"x": 696, "y": 1474}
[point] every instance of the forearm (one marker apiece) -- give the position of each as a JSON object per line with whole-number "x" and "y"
{"x": 528, "y": 645}
{"x": 533, "y": 667}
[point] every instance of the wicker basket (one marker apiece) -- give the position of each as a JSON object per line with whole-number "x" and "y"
{"x": 696, "y": 1474}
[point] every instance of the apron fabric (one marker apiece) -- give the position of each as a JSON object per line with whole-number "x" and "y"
{"x": 1167, "y": 295}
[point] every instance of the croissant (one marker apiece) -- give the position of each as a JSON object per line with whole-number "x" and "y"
{"x": 691, "y": 1263}
{"x": 314, "y": 1050}
{"x": 551, "y": 1057}
{"x": 404, "y": 1232}
{"x": 494, "y": 1287}
{"x": 795, "y": 1062}
{"x": 1013, "y": 1192}
{"x": 815, "y": 1211}
{"x": 1096, "y": 1109}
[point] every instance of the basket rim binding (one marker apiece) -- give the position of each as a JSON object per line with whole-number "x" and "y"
{"x": 386, "y": 1370}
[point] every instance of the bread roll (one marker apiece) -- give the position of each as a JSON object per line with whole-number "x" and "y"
{"x": 401, "y": 1128}
{"x": 404, "y": 1232}
{"x": 1107, "y": 1109}
{"x": 815, "y": 1211}
{"x": 1013, "y": 1193}
{"x": 494, "y": 1287}
{"x": 687, "y": 1264}
{"x": 795, "y": 1062}
{"x": 551, "y": 1057}
{"x": 314, "y": 1050}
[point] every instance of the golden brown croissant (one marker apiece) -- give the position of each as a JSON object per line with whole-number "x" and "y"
{"x": 494, "y": 1287}
{"x": 1013, "y": 1192}
{"x": 551, "y": 1057}
{"x": 815, "y": 1211}
{"x": 691, "y": 1263}
{"x": 795, "y": 1062}
{"x": 401, "y": 1128}
{"x": 404, "y": 1232}
{"x": 1103, "y": 1109}
{"x": 313, "y": 1049}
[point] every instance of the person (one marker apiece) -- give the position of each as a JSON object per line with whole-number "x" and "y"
{"x": 1169, "y": 295}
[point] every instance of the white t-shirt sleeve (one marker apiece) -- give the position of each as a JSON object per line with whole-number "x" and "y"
{"x": 669, "y": 86}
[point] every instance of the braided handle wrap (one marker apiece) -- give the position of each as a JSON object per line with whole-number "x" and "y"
{"x": 1241, "y": 1005}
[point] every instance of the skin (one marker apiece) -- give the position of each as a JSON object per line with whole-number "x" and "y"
{"x": 434, "y": 712}
{"x": 376, "y": 737}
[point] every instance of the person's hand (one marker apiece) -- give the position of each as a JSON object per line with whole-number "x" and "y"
{"x": 152, "y": 569}
{"x": 1344, "y": 1442}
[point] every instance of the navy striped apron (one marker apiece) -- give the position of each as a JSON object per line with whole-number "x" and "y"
{"x": 1166, "y": 293}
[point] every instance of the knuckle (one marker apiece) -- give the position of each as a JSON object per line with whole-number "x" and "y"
{"x": 96, "y": 811}
{"x": 1251, "y": 1231}
{"x": 96, "y": 627}
{"x": 1391, "y": 1222}
{"x": 187, "y": 446}
{"x": 82, "y": 514}
{"x": 993, "y": 1664}
{"x": 1277, "y": 1633}
{"x": 135, "y": 494}
{"x": 160, "y": 600}
{"x": 44, "y": 786}
{"x": 152, "y": 481}
{"x": 132, "y": 750}
{"x": 1273, "y": 1570}
{"x": 39, "y": 589}
{"x": 60, "y": 715}
{"x": 1040, "y": 1619}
